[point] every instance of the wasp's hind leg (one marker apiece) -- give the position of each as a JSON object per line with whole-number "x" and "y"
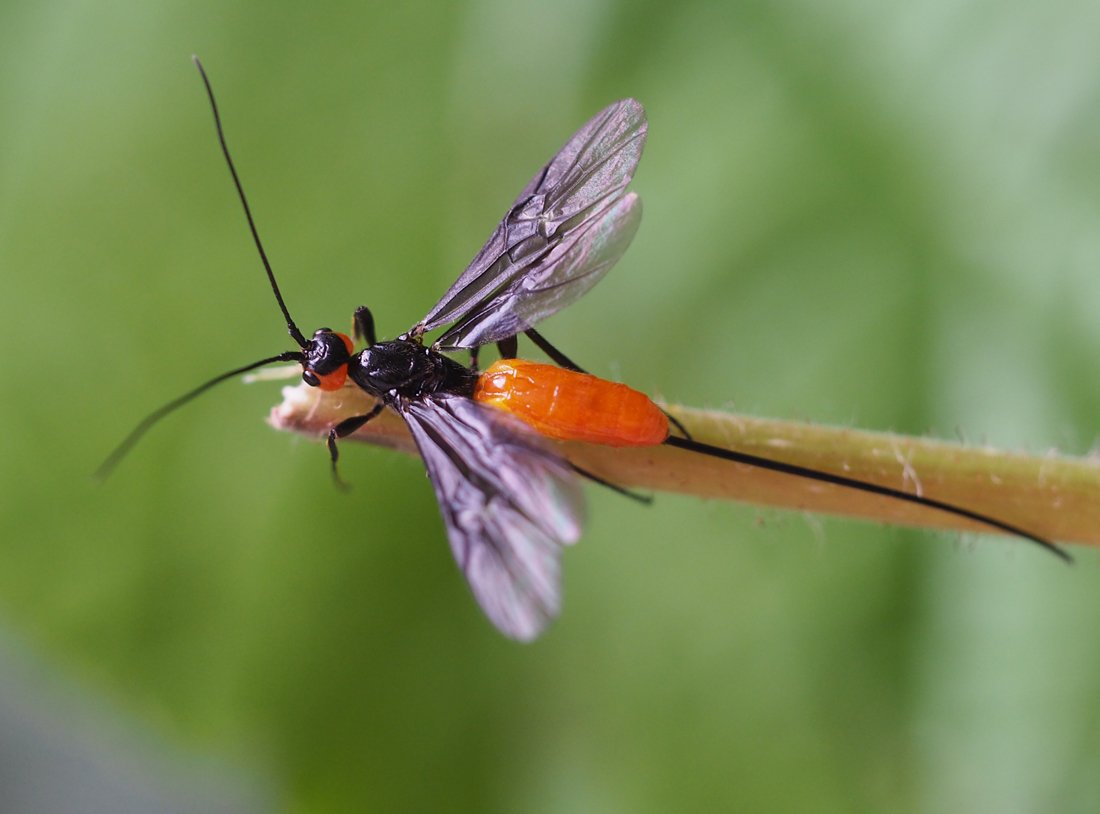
{"x": 614, "y": 487}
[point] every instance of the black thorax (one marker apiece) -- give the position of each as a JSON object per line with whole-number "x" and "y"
{"x": 407, "y": 368}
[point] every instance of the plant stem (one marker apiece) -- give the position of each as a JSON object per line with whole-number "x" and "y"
{"x": 1053, "y": 496}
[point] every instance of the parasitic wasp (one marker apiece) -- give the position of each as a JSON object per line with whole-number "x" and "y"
{"x": 509, "y": 501}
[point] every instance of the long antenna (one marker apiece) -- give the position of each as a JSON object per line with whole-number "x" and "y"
{"x": 295, "y": 334}
{"x": 146, "y": 424}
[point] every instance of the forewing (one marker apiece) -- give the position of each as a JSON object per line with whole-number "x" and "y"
{"x": 508, "y": 502}
{"x": 560, "y": 277}
{"x": 575, "y": 189}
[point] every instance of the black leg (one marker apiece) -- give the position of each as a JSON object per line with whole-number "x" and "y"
{"x": 555, "y": 354}
{"x": 345, "y": 428}
{"x": 674, "y": 421}
{"x": 509, "y": 348}
{"x": 614, "y": 487}
{"x": 364, "y": 325}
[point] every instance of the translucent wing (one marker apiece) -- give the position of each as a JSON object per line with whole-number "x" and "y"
{"x": 560, "y": 276}
{"x": 578, "y": 196}
{"x": 509, "y": 505}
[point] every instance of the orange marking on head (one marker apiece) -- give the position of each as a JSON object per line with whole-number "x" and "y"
{"x": 334, "y": 380}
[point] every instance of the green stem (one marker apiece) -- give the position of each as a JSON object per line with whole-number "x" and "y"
{"x": 1055, "y": 497}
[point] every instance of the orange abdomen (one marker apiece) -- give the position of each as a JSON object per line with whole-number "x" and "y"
{"x": 572, "y": 406}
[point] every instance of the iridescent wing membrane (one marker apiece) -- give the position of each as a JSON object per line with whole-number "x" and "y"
{"x": 510, "y": 502}
{"x": 570, "y": 224}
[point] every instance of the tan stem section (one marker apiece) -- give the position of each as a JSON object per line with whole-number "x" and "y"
{"x": 1052, "y": 496}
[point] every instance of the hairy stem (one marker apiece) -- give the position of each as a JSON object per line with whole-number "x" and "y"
{"x": 1056, "y": 497}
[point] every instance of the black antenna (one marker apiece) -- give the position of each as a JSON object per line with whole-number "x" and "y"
{"x": 295, "y": 334}
{"x": 147, "y": 423}
{"x": 135, "y": 435}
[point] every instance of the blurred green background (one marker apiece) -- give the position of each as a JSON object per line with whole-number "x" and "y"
{"x": 882, "y": 215}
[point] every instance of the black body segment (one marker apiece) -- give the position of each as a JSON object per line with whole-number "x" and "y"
{"x": 408, "y": 369}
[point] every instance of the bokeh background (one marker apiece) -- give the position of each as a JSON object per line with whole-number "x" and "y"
{"x": 882, "y": 215}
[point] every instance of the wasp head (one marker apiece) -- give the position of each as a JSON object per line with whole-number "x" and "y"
{"x": 326, "y": 359}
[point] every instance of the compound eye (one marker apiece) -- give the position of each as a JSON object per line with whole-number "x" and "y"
{"x": 326, "y": 381}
